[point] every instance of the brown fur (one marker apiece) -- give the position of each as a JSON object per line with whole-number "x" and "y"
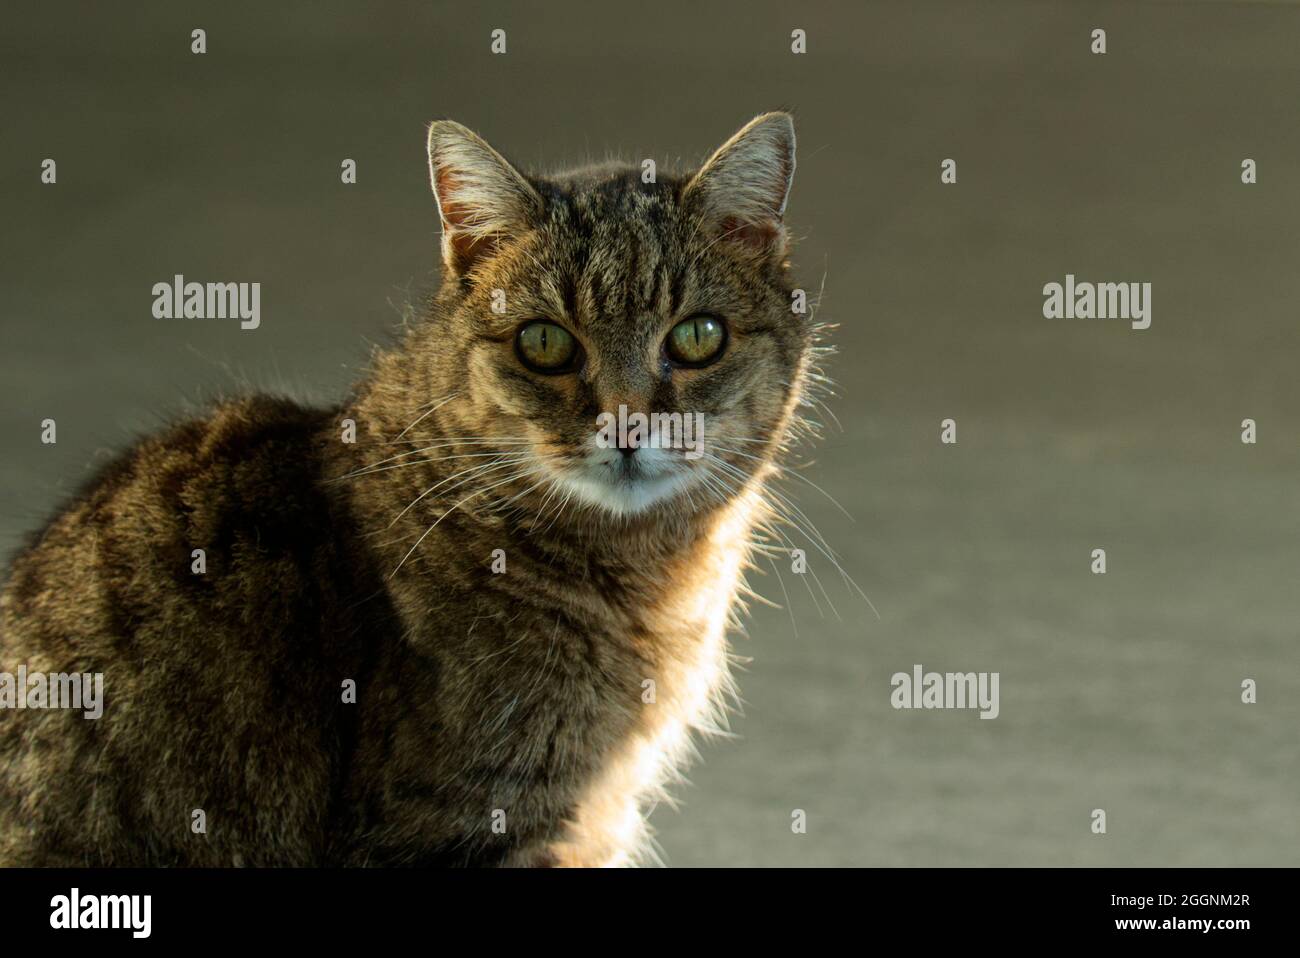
{"x": 520, "y": 693}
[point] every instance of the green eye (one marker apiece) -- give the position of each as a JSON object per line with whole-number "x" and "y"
{"x": 546, "y": 348}
{"x": 697, "y": 341}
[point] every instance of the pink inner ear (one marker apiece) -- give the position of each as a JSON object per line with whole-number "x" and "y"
{"x": 454, "y": 213}
{"x": 757, "y": 235}
{"x": 465, "y": 247}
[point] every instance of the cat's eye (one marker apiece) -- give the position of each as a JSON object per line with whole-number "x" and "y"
{"x": 697, "y": 341}
{"x": 546, "y": 348}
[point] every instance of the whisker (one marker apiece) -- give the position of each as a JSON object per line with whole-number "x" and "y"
{"x": 431, "y": 459}
{"x": 785, "y": 471}
{"x": 363, "y": 470}
{"x": 767, "y": 527}
{"x": 433, "y": 407}
{"x": 811, "y": 533}
{"x": 527, "y": 472}
{"x": 474, "y": 471}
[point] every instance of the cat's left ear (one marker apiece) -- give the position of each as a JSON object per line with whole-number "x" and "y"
{"x": 742, "y": 190}
{"x": 482, "y": 199}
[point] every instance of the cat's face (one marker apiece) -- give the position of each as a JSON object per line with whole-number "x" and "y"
{"x": 583, "y": 303}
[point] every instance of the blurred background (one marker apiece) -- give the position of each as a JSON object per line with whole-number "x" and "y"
{"x": 1118, "y": 691}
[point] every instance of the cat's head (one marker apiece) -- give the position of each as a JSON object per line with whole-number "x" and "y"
{"x": 574, "y": 302}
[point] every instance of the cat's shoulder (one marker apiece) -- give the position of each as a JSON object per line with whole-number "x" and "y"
{"x": 255, "y": 452}
{"x": 255, "y": 439}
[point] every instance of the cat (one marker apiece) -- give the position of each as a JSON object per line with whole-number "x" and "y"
{"x": 473, "y": 635}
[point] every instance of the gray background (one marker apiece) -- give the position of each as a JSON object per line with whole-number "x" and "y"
{"x": 1118, "y": 691}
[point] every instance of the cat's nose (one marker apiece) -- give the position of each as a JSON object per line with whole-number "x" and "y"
{"x": 628, "y": 443}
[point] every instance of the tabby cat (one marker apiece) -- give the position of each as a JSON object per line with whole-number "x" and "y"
{"x": 440, "y": 623}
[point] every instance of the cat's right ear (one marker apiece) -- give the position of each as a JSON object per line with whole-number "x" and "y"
{"x": 742, "y": 190}
{"x": 482, "y": 199}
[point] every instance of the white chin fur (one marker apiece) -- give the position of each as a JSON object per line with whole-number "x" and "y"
{"x": 596, "y": 482}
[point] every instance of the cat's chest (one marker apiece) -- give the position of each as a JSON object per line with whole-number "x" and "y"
{"x": 546, "y": 694}
{"x": 559, "y": 683}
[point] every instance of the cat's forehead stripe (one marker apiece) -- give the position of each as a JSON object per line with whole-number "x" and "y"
{"x": 618, "y": 241}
